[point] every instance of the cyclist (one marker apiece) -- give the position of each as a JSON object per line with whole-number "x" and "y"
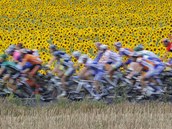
{"x": 168, "y": 44}
{"x": 103, "y": 57}
{"x": 124, "y": 52}
{"x": 57, "y": 68}
{"x": 15, "y": 52}
{"x": 3, "y": 59}
{"x": 5, "y": 66}
{"x": 99, "y": 54}
{"x": 84, "y": 72}
{"x": 35, "y": 61}
{"x": 92, "y": 70}
{"x": 110, "y": 60}
{"x": 140, "y": 51}
{"x": 64, "y": 66}
{"x": 152, "y": 67}
{"x": 11, "y": 50}
{"x": 76, "y": 55}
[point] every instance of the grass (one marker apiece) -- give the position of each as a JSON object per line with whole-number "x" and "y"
{"x": 86, "y": 115}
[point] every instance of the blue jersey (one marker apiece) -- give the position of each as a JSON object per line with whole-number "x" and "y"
{"x": 64, "y": 59}
{"x": 98, "y": 57}
{"x": 125, "y": 52}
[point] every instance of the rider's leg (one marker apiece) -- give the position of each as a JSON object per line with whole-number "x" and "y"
{"x": 58, "y": 70}
{"x": 147, "y": 75}
{"x": 98, "y": 77}
{"x": 155, "y": 81}
{"x": 5, "y": 79}
{"x": 35, "y": 70}
{"x": 135, "y": 68}
{"x": 113, "y": 68}
{"x": 69, "y": 72}
{"x": 31, "y": 77}
{"x": 82, "y": 73}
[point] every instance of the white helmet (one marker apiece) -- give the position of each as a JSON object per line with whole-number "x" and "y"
{"x": 81, "y": 59}
{"x": 118, "y": 44}
{"x": 24, "y": 51}
{"x": 76, "y": 54}
{"x": 103, "y": 47}
{"x": 12, "y": 47}
{"x": 84, "y": 56}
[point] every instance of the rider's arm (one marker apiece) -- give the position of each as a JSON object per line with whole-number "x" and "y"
{"x": 24, "y": 60}
{"x": 51, "y": 61}
{"x": 164, "y": 58}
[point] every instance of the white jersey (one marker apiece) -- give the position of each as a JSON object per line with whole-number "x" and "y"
{"x": 110, "y": 56}
{"x": 90, "y": 63}
{"x": 35, "y": 53}
{"x": 147, "y": 53}
{"x": 80, "y": 60}
{"x": 115, "y": 57}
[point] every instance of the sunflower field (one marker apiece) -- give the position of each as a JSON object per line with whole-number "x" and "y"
{"x": 78, "y": 24}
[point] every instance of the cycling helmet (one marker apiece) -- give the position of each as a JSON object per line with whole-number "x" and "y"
{"x": 19, "y": 45}
{"x": 118, "y": 44}
{"x": 66, "y": 57}
{"x": 58, "y": 53}
{"x": 76, "y": 54}
{"x": 25, "y": 51}
{"x": 84, "y": 56}
{"x": 12, "y": 47}
{"x": 165, "y": 41}
{"x": 98, "y": 44}
{"x": 139, "y": 47}
{"x": 103, "y": 47}
{"x": 52, "y": 46}
{"x": 9, "y": 51}
{"x": 3, "y": 56}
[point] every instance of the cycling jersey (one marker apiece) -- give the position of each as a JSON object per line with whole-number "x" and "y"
{"x": 34, "y": 60}
{"x": 110, "y": 57}
{"x": 114, "y": 57}
{"x": 146, "y": 61}
{"x": 62, "y": 56}
{"x": 105, "y": 57}
{"x": 65, "y": 62}
{"x": 67, "y": 66}
{"x": 125, "y": 52}
{"x": 170, "y": 61}
{"x": 154, "y": 66}
{"x": 98, "y": 57}
{"x": 35, "y": 53}
{"x": 169, "y": 47}
{"x": 17, "y": 56}
{"x": 146, "y": 52}
{"x": 89, "y": 60}
{"x": 10, "y": 67}
{"x": 95, "y": 69}
{"x": 8, "y": 63}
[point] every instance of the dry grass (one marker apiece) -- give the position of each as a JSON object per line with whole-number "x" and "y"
{"x": 87, "y": 115}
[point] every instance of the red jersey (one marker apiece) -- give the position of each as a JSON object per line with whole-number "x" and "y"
{"x": 169, "y": 47}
